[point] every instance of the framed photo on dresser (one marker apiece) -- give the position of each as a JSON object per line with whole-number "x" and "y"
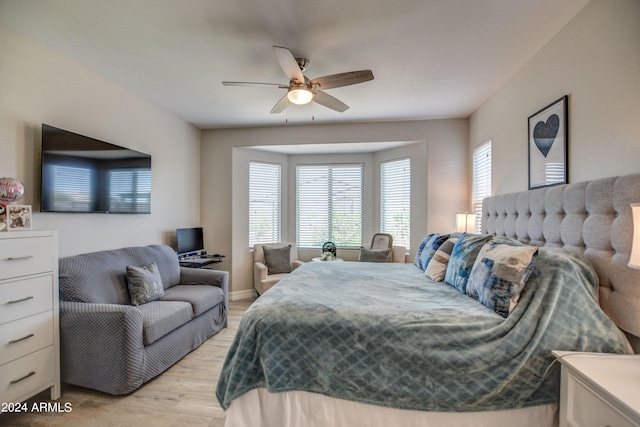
{"x": 15, "y": 217}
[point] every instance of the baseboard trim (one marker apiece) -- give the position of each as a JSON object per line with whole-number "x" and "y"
{"x": 246, "y": 294}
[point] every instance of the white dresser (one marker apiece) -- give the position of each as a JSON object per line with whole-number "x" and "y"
{"x": 29, "y": 337}
{"x": 599, "y": 390}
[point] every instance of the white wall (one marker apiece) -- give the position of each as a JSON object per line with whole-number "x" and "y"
{"x": 595, "y": 59}
{"x": 439, "y": 193}
{"x": 39, "y": 86}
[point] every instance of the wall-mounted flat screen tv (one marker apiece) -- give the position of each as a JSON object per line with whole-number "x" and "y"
{"x": 82, "y": 174}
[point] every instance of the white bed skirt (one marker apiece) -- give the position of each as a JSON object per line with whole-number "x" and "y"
{"x": 259, "y": 408}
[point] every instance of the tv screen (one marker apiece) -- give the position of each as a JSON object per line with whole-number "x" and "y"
{"x": 189, "y": 240}
{"x": 82, "y": 174}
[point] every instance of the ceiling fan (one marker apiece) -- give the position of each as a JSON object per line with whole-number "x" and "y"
{"x": 301, "y": 90}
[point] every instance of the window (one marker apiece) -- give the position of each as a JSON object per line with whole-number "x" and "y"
{"x": 73, "y": 188}
{"x": 129, "y": 190}
{"x": 481, "y": 179}
{"x": 329, "y": 205}
{"x": 264, "y": 202}
{"x": 395, "y": 200}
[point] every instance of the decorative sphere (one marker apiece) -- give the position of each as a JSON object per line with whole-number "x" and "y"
{"x": 11, "y": 190}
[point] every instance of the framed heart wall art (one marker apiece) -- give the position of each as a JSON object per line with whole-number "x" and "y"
{"x": 548, "y": 145}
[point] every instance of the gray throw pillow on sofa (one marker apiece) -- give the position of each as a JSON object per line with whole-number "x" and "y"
{"x": 277, "y": 260}
{"x": 374, "y": 255}
{"x": 145, "y": 283}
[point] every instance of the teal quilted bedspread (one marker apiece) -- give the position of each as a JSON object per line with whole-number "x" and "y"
{"x": 384, "y": 334}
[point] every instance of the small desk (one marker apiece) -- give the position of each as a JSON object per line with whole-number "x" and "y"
{"x": 209, "y": 262}
{"x": 318, "y": 259}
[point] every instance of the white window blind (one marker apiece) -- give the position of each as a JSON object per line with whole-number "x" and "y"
{"x": 481, "y": 179}
{"x": 329, "y": 205}
{"x": 129, "y": 190}
{"x": 73, "y": 188}
{"x": 264, "y": 202}
{"x": 395, "y": 200}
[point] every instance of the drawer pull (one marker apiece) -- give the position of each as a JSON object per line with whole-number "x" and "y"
{"x": 20, "y": 300}
{"x": 23, "y": 378}
{"x": 21, "y": 339}
{"x": 18, "y": 258}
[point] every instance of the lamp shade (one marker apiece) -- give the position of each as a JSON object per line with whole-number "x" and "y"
{"x": 300, "y": 96}
{"x": 634, "y": 259}
{"x": 466, "y": 222}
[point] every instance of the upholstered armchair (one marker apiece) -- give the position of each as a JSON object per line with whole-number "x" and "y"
{"x": 267, "y": 272}
{"x": 380, "y": 242}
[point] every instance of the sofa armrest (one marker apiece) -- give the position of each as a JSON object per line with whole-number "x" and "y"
{"x": 297, "y": 263}
{"x": 260, "y": 271}
{"x": 101, "y": 346}
{"x": 204, "y": 276}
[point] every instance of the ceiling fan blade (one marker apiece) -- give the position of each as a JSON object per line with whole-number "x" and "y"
{"x": 330, "y": 102}
{"x": 288, "y": 64}
{"x": 255, "y": 84}
{"x": 280, "y": 105}
{"x": 342, "y": 79}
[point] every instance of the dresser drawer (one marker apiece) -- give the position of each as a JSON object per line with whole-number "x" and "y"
{"x": 586, "y": 409}
{"x": 23, "y": 298}
{"x": 24, "y": 336}
{"x": 21, "y": 257}
{"x": 27, "y": 374}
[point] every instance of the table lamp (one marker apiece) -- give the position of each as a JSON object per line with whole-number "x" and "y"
{"x": 466, "y": 222}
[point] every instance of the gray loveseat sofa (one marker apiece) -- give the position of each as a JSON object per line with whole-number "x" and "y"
{"x": 109, "y": 345}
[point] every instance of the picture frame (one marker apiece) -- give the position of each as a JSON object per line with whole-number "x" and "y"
{"x": 548, "y": 145}
{"x": 15, "y": 217}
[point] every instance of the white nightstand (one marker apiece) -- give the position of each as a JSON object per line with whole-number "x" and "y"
{"x": 599, "y": 389}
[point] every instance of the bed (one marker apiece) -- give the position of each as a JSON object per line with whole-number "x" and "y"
{"x": 380, "y": 344}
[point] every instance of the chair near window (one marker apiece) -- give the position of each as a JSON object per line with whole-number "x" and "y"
{"x": 381, "y": 241}
{"x": 272, "y": 262}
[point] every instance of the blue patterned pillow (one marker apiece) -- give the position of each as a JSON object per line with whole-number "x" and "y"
{"x": 462, "y": 258}
{"x": 430, "y": 249}
{"x": 420, "y": 248}
{"x": 438, "y": 265}
{"x": 499, "y": 275}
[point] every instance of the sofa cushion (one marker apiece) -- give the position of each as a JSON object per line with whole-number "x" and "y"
{"x": 145, "y": 283}
{"x": 201, "y": 297}
{"x": 161, "y": 317}
{"x": 101, "y": 277}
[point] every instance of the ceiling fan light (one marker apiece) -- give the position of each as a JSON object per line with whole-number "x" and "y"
{"x": 300, "y": 96}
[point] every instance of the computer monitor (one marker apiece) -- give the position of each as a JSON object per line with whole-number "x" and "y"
{"x": 190, "y": 241}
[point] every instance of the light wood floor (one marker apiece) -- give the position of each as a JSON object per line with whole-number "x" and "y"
{"x": 184, "y": 395}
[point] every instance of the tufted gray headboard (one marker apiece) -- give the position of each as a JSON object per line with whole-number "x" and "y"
{"x": 592, "y": 218}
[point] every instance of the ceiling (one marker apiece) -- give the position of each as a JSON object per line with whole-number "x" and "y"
{"x": 430, "y": 58}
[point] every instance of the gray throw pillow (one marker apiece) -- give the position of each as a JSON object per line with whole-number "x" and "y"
{"x": 145, "y": 283}
{"x": 374, "y": 255}
{"x": 277, "y": 260}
